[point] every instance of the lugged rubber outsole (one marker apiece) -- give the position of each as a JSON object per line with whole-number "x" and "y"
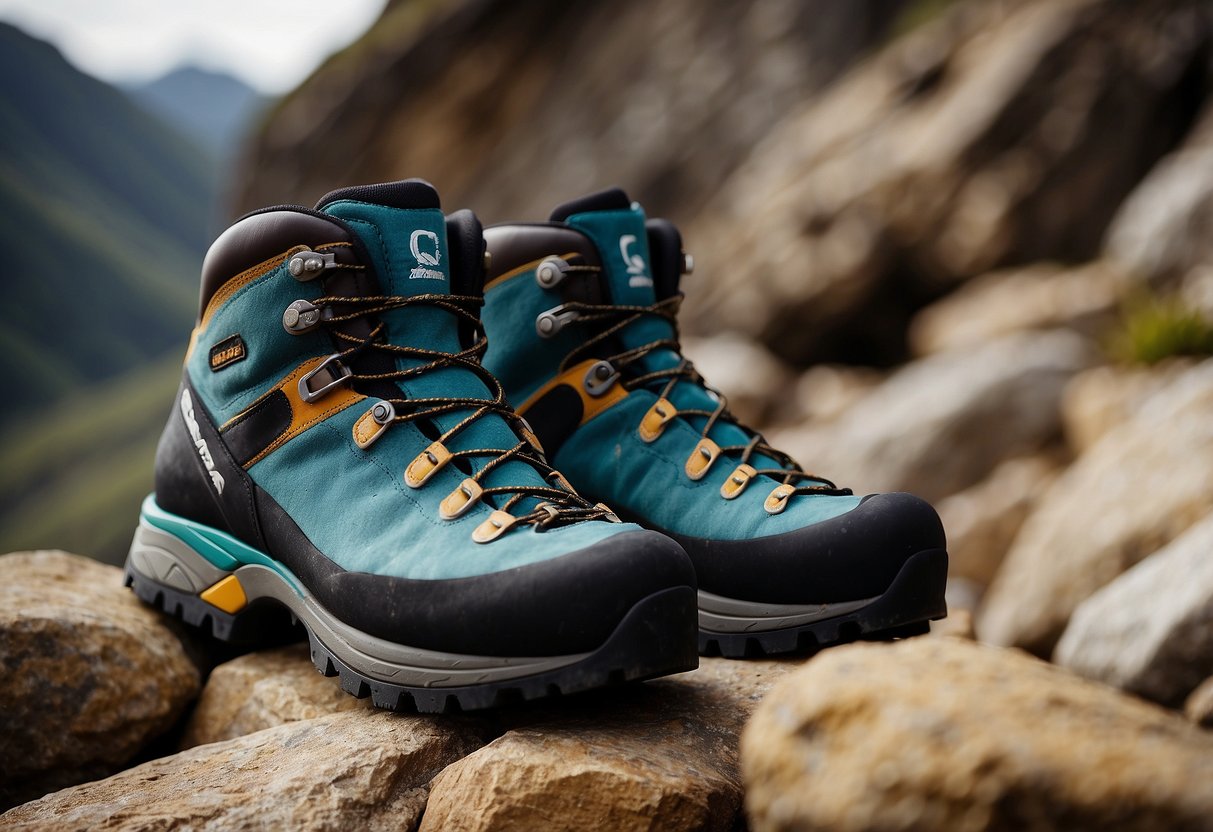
{"x": 906, "y": 608}
{"x": 655, "y": 638}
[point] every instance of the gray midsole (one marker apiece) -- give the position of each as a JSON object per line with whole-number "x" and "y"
{"x": 161, "y": 557}
{"x": 729, "y": 615}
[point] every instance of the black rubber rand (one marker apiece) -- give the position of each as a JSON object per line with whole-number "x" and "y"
{"x": 906, "y": 608}
{"x": 653, "y": 639}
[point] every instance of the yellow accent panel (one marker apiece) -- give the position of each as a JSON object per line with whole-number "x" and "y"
{"x": 426, "y": 464}
{"x": 574, "y": 377}
{"x": 777, "y": 500}
{"x": 497, "y": 524}
{"x": 701, "y": 458}
{"x": 367, "y": 429}
{"x": 228, "y": 595}
{"x": 737, "y": 481}
{"x": 523, "y": 269}
{"x": 303, "y": 414}
{"x": 656, "y": 418}
{"x": 461, "y": 500}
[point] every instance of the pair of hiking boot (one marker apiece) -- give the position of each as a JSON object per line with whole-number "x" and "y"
{"x": 461, "y": 521}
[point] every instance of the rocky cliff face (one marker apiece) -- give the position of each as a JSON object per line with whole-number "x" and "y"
{"x": 511, "y": 107}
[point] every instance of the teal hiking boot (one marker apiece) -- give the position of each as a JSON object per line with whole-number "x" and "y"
{"x": 337, "y": 452}
{"x": 581, "y": 316}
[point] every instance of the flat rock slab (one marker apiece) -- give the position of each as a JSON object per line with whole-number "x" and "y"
{"x": 931, "y": 734}
{"x": 352, "y": 770}
{"x": 88, "y": 675}
{"x": 1150, "y": 631}
{"x": 657, "y": 756}
{"x": 263, "y": 690}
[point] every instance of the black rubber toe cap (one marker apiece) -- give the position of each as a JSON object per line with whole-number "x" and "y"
{"x": 570, "y": 604}
{"x": 847, "y": 558}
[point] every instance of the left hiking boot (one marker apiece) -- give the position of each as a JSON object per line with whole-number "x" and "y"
{"x": 581, "y": 318}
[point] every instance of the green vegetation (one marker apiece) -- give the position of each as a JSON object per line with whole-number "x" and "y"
{"x": 1155, "y": 328}
{"x": 74, "y": 478}
{"x": 106, "y": 211}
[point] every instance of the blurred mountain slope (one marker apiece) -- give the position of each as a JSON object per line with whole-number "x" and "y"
{"x": 106, "y": 214}
{"x": 211, "y": 108}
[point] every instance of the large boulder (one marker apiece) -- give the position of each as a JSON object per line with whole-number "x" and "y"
{"x": 262, "y": 690}
{"x": 658, "y": 756}
{"x": 1001, "y": 134}
{"x": 1150, "y": 631}
{"x": 1164, "y": 230}
{"x": 982, "y": 521}
{"x": 511, "y": 107}
{"x": 88, "y": 675}
{"x": 1139, "y": 487}
{"x": 1102, "y": 398}
{"x": 931, "y": 734}
{"x": 1038, "y": 297}
{"x": 944, "y": 422}
{"x": 350, "y": 770}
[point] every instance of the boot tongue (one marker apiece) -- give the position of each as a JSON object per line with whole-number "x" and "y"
{"x": 403, "y": 230}
{"x": 617, "y": 228}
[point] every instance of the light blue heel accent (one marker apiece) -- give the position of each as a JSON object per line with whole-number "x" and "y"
{"x": 220, "y": 548}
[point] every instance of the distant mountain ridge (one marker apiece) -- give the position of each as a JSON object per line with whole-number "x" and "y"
{"x": 106, "y": 215}
{"x": 213, "y": 109}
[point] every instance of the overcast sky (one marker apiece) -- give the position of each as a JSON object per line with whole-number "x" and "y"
{"x": 270, "y": 44}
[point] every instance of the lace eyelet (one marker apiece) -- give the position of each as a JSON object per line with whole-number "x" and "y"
{"x": 701, "y": 459}
{"x": 658, "y": 416}
{"x": 778, "y": 499}
{"x": 460, "y": 501}
{"x": 737, "y": 481}
{"x": 426, "y": 464}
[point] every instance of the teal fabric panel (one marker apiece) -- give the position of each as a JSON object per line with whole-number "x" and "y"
{"x": 390, "y": 236}
{"x": 368, "y": 520}
{"x": 607, "y": 458}
{"x": 520, "y": 359}
{"x": 255, "y": 314}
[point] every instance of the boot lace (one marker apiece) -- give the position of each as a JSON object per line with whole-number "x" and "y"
{"x": 616, "y": 318}
{"x": 559, "y": 504}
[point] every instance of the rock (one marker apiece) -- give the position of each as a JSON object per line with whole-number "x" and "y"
{"x": 958, "y": 624}
{"x": 1099, "y": 399}
{"x": 665, "y": 100}
{"x": 1042, "y": 296}
{"x": 1199, "y": 707}
{"x": 350, "y": 770}
{"x": 90, "y": 675}
{"x": 929, "y": 734}
{"x": 941, "y": 424}
{"x": 825, "y": 391}
{"x": 658, "y": 756}
{"x": 1000, "y": 134}
{"x": 262, "y": 690}
{"x": 1164, "y": 229}
{"x": 1150, "y": 631}
{"x": 745, "y": 372}
{"x": 1135, "y": 490}
{"x": 982, "y": 521}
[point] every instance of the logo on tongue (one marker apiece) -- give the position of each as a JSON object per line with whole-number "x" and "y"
{"x": 637, "y": 273}
{"x": 426, "y": 249}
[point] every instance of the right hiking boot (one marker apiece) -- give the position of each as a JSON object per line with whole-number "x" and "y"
{"x": 337, "y": 452}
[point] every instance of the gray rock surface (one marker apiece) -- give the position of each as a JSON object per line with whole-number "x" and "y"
{"x": 89, "y": 675}
{"x": 1139, "y": 487}
{"x": 939, "y": 733}
{"x": 942, "y": 423}
{"x": 982, "y": 521}
{"x": 1150, "y": 631}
